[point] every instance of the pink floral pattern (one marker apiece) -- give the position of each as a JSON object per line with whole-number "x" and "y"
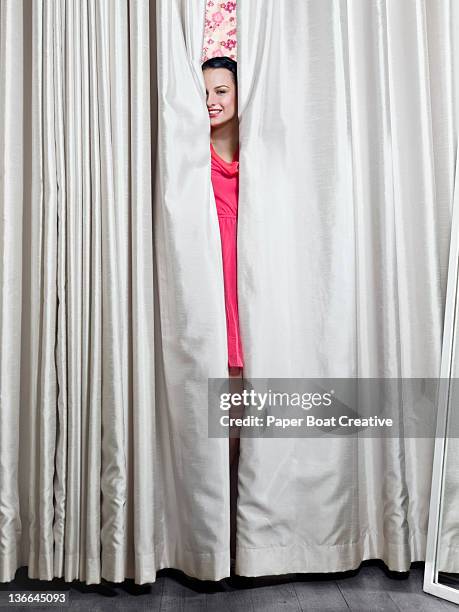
{"x": 220, "y": 33}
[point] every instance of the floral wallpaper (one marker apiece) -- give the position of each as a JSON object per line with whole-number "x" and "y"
{"x": 220, "y": 34}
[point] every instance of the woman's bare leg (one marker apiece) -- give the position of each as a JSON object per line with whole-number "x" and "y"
{"x": 236, "y": 383}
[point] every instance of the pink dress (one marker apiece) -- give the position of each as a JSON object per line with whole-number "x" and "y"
{"x": 225, "y": 181}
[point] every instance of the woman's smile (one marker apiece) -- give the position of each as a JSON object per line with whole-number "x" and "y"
{"x": 213, "y": 112}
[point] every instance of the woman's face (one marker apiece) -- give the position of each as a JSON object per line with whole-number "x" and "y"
{"x": 221, "y": 95}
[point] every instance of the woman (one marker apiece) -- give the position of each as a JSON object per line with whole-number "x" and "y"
{"x": 220, "y": 77}
{"x": 221, "y": 92}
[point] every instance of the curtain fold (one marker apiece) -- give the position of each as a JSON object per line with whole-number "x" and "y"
{"x": 87, "y": 410}
{"x": 11, "y": 193}
{"x": 348, "y": 140}
{"x": 112, "y": 314}
{"x": 191, "y": 339}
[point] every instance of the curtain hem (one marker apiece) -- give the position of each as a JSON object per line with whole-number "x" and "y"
{"x": 308, "y": 559}
{"x": 253, "y": 562}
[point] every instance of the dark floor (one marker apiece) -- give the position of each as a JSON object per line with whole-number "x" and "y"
{"x": 370, "y": 588}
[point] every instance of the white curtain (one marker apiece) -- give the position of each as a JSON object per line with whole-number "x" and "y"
{"x": 112, "y": 309}
{"x": 11, "y": 195}
{"x": 349, "y": 137}
{"x": 193, "y": 531}
{"x": 77, "y": 438}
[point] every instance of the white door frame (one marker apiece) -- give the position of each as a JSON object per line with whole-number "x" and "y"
{"x": 431, "y": 584}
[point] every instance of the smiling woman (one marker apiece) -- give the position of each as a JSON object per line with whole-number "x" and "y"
{"x": 222, "y": 103}
{"x": 220, "y": 77}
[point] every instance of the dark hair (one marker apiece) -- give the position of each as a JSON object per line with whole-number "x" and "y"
{"x": 222, "y": 62}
